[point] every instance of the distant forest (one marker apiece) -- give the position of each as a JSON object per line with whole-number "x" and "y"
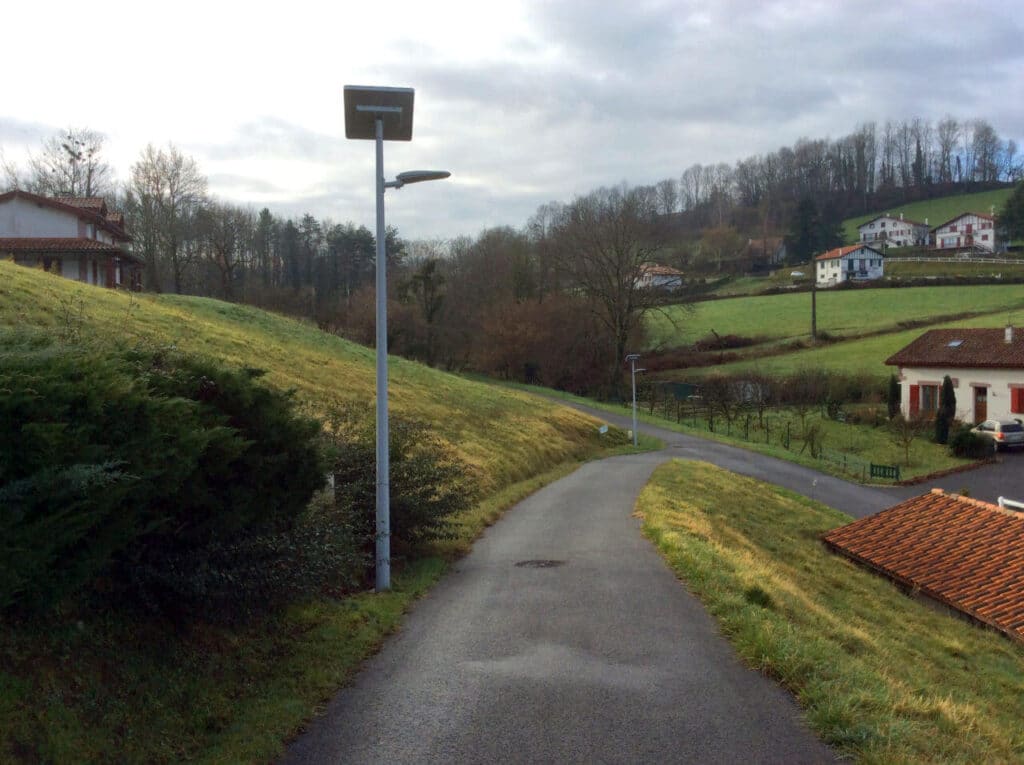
{"x": 475, "y": 302}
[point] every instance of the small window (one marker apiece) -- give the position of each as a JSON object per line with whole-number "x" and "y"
{"x": 929, "y": 398}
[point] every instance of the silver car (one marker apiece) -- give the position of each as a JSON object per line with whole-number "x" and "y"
{"x": 1004, "y": 434}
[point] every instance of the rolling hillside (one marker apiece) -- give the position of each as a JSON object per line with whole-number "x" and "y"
{"x": 510, "y": 436}
{"x": 936, "y": 211}
{"x": 840, "y": 313}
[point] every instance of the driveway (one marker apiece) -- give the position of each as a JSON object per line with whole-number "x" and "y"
{"x": 564, "y": 638}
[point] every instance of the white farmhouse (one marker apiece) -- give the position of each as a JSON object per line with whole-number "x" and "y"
{"x": 967, "y": 230}
{"x": 657, "y": 277}
{"x": 888, "y": 230}
{"x": 985, "y": 365}
{"x": 857, "y": 262}
{"x": 74, "y": 237}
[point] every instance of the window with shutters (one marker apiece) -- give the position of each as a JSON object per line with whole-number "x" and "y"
{"x": 1017, "y": 400}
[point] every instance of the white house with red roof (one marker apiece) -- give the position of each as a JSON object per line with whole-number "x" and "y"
{"x": 985, "y": 365}
{"x": 75, "y": 237}
{"x": 856, "y": 262}
{"x": 892, "y": 231}
{"x": 654, "y": 276}
{"x": 966, "y": 231}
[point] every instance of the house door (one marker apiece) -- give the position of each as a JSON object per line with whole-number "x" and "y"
{"x": 980, "y": 404}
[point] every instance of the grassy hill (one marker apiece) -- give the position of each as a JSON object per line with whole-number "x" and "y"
{"x": 79, "y": 685}
{"x": 937, "y": 211}
{"x": 508, "y": 435}
{"x": 840, "y": 313}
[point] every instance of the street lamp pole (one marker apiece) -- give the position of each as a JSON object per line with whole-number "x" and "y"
{"x": 632, "y": 359}
{"x": 383, "y": 114}
{"x": 382, "y": 578}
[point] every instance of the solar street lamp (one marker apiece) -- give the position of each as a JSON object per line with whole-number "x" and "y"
{"x": 383, "y": 114}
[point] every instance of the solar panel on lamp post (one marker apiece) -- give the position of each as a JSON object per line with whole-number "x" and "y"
{"x": 383, "y": 114}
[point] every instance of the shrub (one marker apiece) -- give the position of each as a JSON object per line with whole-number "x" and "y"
{"x": 234, "y": 578}
{"x": 117, "y": 461}
{"x": 429, "y": 484}
{"x": 967, "y": 444}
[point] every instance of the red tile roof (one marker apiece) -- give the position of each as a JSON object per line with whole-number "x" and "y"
{"x": 62, "y": 246}
{"x": 964, "y": 215}
{"x": 97, "y": 205}
{"x": 963, "y": 552}
{"x": 839, "y": 252}
{"x": 978, "y": 348}
{"x": 652, "y": 269}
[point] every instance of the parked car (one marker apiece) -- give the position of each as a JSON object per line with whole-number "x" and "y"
{"x": 1004, "y": 434}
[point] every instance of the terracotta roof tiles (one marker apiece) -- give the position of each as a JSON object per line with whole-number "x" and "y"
{"x": 839, "y": 252}
{"x": 62, "y": 246}
{"x": 977, "y": 348}
{"x": 962, "y": 552}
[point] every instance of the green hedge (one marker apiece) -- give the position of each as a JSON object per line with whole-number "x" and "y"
{"x": 116, "y": 462}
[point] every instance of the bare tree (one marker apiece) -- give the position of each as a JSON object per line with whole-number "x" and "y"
{"x": 668, "y": 196}
{"x": 947, "y": 134}
{"x": 166, "y": 191}
{"x": 607, "y": 238}
{"x": 70, "y": 164}
{"x": 986, "y": 148}
{"x": 227, "y": 233}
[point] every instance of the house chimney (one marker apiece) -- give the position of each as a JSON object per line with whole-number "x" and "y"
{"x": 1008, "y": 336}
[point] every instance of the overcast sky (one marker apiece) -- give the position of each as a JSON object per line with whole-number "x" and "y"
{"x": 524, "y": 102}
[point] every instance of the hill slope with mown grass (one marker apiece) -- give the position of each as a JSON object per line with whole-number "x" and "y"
{"x": 841, "y": 313}
{"x": 865, "y": 355}
{"x": 92, "y": 683}
{"x": 508, "y": 435}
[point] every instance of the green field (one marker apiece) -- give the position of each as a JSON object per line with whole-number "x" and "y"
{"x": 882, "y": 677}
{"x": 924, "y": 269}
{"x": 937, "y": 211}
{"x": 840, "y": 313}
{"x": 852, "y": 356}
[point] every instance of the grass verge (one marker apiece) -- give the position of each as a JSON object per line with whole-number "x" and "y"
{"x": 881, "y": 676}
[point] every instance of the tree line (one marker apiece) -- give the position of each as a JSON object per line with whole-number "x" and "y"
{"x": 557, "y": 301}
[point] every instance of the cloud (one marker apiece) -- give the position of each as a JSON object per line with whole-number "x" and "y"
{"x": 269, "y": 137}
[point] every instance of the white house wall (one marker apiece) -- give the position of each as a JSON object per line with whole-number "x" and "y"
{"x": 23, "y": 218}
{"x": 835, "y": 270}
{"x": 998, "y": 381}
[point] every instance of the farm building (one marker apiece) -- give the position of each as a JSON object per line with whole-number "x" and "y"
{"x": 985, "y": 365}
{"x": 967, "y": 230}
{"x": 75, "y": 237}
{"x": 653, "y": 276}
{"x": 888, "y": 230}
{"x": 857, "y": 262}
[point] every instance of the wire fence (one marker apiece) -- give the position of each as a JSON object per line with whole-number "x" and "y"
{"x": 768, "y": 426}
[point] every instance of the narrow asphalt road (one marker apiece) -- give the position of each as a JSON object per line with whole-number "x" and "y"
{"x": 1005, "y": 477}
{"x": 564, "y": 638}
